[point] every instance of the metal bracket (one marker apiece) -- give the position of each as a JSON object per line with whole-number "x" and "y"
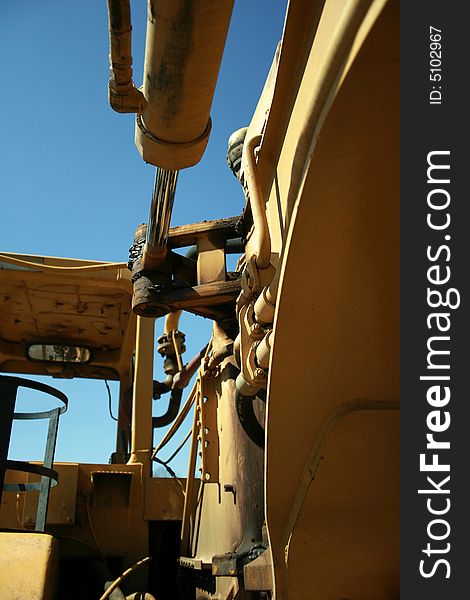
{"x": 193, "y": 563}
{"x": 201, "y": 286}
{"x": 231, "y": 564}
{"x": 206, "y": 407}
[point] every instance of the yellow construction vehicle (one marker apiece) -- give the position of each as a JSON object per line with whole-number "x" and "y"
{"x": 292, "y": 478}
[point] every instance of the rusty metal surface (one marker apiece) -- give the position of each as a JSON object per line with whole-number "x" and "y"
{"x": 188, "y": 235}
{"x": 52, "y": 312}
{"x": 76, "y": 307}
{"x": 229, "y": 513}
{"x": 178, "y": 283}
{"x": 202, "y": 299}
{"x": 258, "y": 573}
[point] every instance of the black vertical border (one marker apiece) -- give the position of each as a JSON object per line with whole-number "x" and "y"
{"x": 426, "y": 128}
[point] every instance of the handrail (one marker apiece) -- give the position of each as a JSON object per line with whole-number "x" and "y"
{"x": 8, "y": 395}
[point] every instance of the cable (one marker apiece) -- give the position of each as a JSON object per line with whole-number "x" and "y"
{"x": 177, "y": 422}
{"x": 109, "y": 401}
{"x": 117, "y": 581}
{"x": 42, "y": 267}
{"x": 92, "y": 529}
{"x": 165, "y": 464}
{"x": 171, "y": 473}
{"x": 18, "y": 518}
{"x": 168, "y": 460}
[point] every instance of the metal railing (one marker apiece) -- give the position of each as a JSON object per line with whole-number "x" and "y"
{"x": 8, "y": 395}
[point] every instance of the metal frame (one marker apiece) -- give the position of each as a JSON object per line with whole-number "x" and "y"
{"x": 8, "y": 393}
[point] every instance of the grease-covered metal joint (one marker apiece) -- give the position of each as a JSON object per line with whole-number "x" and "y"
{"x": 166, "y": 344}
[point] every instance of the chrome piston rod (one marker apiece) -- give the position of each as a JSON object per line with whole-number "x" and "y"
{"x": 163, "y": 197}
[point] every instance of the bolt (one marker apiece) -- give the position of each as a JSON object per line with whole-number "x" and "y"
{"x": 28, "y": 519}
{"x": 259, "y": 373}
{"x": 207, "y": 476}
{"x": 256, "y": 328}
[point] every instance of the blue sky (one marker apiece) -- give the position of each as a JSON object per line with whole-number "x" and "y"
{"x": 72, "y": 182}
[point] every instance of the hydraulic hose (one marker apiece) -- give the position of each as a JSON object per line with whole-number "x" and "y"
{"x": 172, "y": 411}
{"x": 124, "y": 97}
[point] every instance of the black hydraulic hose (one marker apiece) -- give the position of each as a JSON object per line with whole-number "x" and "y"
{"x": 162, "y": 387}
{"x": 176, "y": 383}
{"x": 247, "y": 417}
{"x": 110, "y": 401}
{"x": 172, "y": 412}
{"x": 233, "y": 246}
